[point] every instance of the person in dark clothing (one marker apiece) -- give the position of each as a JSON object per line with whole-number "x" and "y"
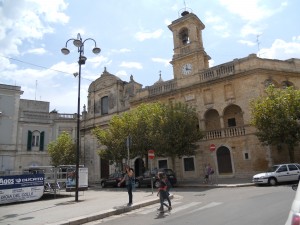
{"x": 129, "y": 181}
{"x": 162, "y": 192}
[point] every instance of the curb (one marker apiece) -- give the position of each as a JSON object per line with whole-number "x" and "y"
{"x": 215, "y": 185}
{"x": 107, "y": 213}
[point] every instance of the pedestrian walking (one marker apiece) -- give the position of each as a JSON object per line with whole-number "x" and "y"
{"x": 208, "y": 170}
{"x": 162, "y": 193}
{"x": 129, "y": 181}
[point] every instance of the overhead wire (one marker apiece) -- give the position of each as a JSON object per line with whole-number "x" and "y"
{"x": 43, "y": 67}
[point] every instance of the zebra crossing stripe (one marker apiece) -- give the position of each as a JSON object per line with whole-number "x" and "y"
{"x": 185, "y": 206}
{"x": 210, "y": 205}
{"x": 150, "y": 209}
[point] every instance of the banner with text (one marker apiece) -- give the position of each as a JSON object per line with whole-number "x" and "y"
{"x": 18, "y": 188}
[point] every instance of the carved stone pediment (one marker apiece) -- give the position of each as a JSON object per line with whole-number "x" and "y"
{"x": 105, "y": 80}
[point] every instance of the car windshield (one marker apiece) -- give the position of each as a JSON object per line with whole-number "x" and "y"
{"x": 273, "y": 168}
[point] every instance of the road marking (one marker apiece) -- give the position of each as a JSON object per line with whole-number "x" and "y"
{"x": 150, "y": 209}
{"x": 210, "y": 205}
{"x": 185, "y": 206}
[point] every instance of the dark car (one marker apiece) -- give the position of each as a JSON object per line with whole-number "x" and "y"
{"x": 113, "y": 180}
{"x": 145, "y": 179}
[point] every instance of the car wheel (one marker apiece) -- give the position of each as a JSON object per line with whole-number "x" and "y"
{"x": 103, "y": 184}
{"x": 272, "y": 181}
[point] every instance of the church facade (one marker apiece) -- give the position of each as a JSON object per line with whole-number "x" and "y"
{"x": 220, "y": 95}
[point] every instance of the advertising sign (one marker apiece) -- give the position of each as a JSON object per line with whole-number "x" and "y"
{"x": 18, "y": 188}
{"x": 71, "y": 179}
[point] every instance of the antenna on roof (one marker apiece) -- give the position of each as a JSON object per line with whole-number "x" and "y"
{"x": 257, "y": 42}
{"x": 185, "y": 11}
{"x": 35, "y": 90}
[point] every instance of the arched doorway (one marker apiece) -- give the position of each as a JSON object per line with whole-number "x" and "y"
{"x": 224, "y": 160}
{"x": 139, "y": 167}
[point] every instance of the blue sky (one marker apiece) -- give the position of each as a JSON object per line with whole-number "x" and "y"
{"x": 134, "y": 39}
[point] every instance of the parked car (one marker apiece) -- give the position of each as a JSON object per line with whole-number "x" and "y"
{"x": 294, "y": 214}
{"x": 278, "y": 174}
{"x": 145, "y": 179}
{"x": 113, "y": 180}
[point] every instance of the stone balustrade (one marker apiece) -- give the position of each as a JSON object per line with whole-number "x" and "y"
{"x": 224, "y": 133}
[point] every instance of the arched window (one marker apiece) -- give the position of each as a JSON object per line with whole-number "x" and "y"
{"x": 184, "y": 36}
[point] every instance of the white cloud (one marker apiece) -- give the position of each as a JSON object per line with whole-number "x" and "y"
{"x": 281, "y": 49}
{"x": 166, "y": 62}
{"x": 52, "y": 10}
{"x": 218, "y": 24}
{"x": 122, "y": 50}
{"x": 248, "y": 43}
{"x": 122, "y": 74}
{"x": 99, "y": 60}
{"x": 25, "y": 20}
{"x": 250, "y": 29}
{"x": 168, "y": 22}
{"x": 141, "y": 36}
{"x": 253, "y": 10}
{"x": 135, "y": 65}
{"x": 296, "y": 38}
{"x": 211, "y": 63}
{"x": 37, "y": 51}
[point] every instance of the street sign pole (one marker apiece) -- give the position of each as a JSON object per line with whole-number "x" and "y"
{"x": 128, "y": 144}
{"x": 151, "y": 157}
{"x": 151, "y": 175}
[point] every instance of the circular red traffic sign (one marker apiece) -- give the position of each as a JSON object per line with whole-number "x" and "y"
{"x": 151, "y": 154}
{"x": 212, "y": 147}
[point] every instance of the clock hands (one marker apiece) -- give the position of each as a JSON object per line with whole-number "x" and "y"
{"x": 187, "y": 68}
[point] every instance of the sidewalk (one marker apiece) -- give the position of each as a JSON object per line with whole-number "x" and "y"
{"x": 94, "y": 204}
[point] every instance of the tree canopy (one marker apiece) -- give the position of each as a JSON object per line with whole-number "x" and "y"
{"x": 170, "y": 130}
{"x": 276, "y": 117}
{"x": 63, "y": 150}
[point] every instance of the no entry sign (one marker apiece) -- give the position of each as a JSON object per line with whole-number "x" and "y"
{"x": 212, "y": 147}
{"x": 151, "y": 154}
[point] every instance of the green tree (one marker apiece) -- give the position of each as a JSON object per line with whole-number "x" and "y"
{"x": 170, "y": 130}
{"x": 112, "y": 139}
{"x": 136, "y": 124}
{"x": 179, "y": 131}
{"x": 276, "y": 117}
{"x": 63, "y": 150}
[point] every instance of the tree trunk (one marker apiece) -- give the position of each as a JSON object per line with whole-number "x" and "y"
{"x": 173, "y": 163}
{"x": 291, "y": 153}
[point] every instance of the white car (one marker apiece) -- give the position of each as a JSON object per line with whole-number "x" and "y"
{"x": 278, "y": 174}
{"x": 294, "y": 215}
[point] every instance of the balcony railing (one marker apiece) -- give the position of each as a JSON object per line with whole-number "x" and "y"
{"x": 207, "y": 75}
{"x": 162, "y": 87}
{"x": 224, "y": 133}
{"x": 217, "y": 72}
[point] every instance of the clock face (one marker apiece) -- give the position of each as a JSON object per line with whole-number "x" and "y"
{"x": 187, "y": 69}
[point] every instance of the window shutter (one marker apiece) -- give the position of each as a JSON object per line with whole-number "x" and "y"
{"x": 42, "y": 141}
{"x": 29, "y": 138}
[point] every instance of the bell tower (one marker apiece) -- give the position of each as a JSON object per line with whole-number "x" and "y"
{"x": 189, "y": 57}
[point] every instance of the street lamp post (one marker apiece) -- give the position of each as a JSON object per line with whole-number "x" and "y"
{"x": 79, "y": 43}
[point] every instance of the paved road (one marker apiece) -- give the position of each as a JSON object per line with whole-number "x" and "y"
{"x": 223, "y": 206}
{"x": 93, "y": 204}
